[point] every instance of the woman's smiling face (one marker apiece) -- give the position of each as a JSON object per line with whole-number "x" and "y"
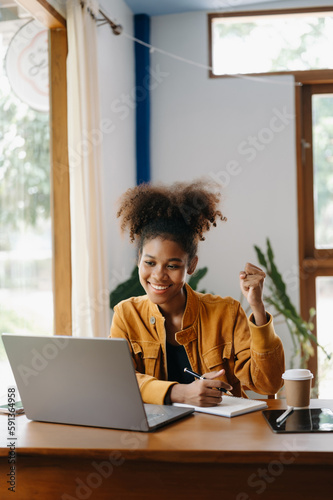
{"x": 163, "y": 267}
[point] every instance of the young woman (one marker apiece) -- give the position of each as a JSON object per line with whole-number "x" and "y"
{"x": 173, "y": 327}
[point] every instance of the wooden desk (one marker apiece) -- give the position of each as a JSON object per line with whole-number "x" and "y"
{"x": 200, "y": 457}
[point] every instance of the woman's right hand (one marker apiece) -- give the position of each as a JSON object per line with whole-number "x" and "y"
{"x": 201, "y": 392}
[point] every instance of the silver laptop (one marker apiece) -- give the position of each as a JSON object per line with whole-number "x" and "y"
{"x": 82, "y": 381}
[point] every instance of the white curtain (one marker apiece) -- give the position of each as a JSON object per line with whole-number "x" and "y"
{"x": 90, "y": 295}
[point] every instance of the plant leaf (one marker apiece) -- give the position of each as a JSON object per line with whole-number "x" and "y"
{"x": 129, "y": 288}
{"x": 196, "y": 277}
{"x": 261, "y": 257}
{"x": 299, "y": 329}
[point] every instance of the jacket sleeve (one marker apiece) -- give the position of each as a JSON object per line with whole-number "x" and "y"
{"x": 152, "y": 390}
{"x": 259, "y": 355}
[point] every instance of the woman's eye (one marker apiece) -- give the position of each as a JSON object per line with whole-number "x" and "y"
{"x": 149, "y": 263}
{"x": 172, "y": 267}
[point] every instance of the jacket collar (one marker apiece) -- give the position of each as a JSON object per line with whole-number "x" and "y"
{"x": 190, "y": 315}
{"x": 192, "y": 308}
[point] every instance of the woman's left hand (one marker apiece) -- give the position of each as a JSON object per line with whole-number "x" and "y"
{"x": 252, "y": 284}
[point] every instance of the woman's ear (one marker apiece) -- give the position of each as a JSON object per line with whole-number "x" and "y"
{"x": 193, "y": 265}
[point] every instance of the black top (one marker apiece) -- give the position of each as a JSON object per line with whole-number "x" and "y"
{"x": 177, "y": 360}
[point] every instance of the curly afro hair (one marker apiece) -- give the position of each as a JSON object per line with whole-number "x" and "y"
{"x": 181, "y": 212}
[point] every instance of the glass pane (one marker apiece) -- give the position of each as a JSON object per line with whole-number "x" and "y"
{"x": 26, "y": 298}
{"x": 265, "y": 44}
{"x": 324, "y": 292}
{"x": 322, "y": 132}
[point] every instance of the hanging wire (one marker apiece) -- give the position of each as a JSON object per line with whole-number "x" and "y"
{"x": 210, "y": 68}
{"x": 118, "y": 29}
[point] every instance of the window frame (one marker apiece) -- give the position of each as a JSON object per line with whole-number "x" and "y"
{"x": 59, "y": 178}
{"x": 313, "y": 262}
{"x": 300, "y": 76}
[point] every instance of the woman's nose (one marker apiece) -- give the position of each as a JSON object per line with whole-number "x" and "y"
{"x": 159, "y": 272}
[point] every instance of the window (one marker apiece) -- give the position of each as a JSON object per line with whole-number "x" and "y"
{"x": 35, "y": 271}
{"x": 316, "y": 221}
{"x": 322, "y": 145}
{"x": 25, "y": 221}
{"x": 281, "y": 41}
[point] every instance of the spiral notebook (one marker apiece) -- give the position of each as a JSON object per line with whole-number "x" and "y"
{"x": 230, "y": 406}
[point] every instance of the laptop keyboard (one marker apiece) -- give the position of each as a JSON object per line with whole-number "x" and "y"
{"x": 153, "y": 417}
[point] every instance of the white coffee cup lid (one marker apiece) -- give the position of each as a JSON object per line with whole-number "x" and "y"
{"x": 297, "y": 374}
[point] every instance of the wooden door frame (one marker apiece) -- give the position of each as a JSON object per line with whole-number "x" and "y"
{"x": 59, "y": 176}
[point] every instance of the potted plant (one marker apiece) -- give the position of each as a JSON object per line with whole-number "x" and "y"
{"x": 300, "y": 329}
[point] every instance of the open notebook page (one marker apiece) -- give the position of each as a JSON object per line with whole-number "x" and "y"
{"x": 230, "y": 406}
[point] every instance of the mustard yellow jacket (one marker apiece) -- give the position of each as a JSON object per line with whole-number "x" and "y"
{"x": 215, "y": 333}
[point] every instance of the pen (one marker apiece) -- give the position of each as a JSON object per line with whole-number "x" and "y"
{"x": 284, "y": 415}
{"x": 196, "y": 375}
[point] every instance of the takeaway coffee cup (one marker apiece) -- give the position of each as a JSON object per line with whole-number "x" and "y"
{"x": 298, "y": 386}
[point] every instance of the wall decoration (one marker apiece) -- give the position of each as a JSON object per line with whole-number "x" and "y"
{"x": 27, "y": 65}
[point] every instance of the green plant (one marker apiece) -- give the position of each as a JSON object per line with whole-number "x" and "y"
{"x": 196, "y": 277}
{"x": 132, "y": 286}
{"x": 129, "y": 288}
{"x": 300, "y": 330}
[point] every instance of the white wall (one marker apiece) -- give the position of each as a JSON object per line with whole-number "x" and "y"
{"x": 203, "y": 126}
{"x": 117, "y": 83}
